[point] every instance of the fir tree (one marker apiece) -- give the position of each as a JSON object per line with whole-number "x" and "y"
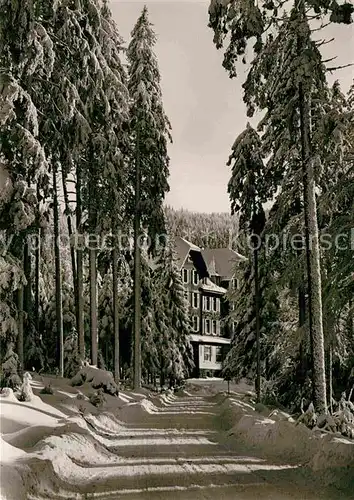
{"x": 247, "y": 193}
{"x": 149, "y": 347}
{"x": 150, "y": 134}
{"x": 172, "y": 320}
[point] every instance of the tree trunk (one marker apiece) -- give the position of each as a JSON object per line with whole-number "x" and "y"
{"x": 115, "y": 314}
{"x": 330, "y": 373}
{"x": 36, "y": 280}
{"x": 351, "y": 319}
{"x": 313, "y": 257}
{"x": 79, "y": 269}
{"x": 93, "y": 305}
{"x": 302, "y": 320}
{"x": 58, "y": 284}
{"x": 72, "y": 248}
{"x": 27, "y": 293}
{"x": 137, "y": 273}
{"x": 20, "y": 295}
{"x": 257, "y": 310}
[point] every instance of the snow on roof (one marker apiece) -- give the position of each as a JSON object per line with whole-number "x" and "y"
{"x": 182, "y": 248}
{"x": 209, "y": 339}
{"x": 209, "y": 286}
{"x": 221, "y": 261}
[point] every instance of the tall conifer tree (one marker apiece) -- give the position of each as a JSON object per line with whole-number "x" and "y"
{"x": 150, "y": 134}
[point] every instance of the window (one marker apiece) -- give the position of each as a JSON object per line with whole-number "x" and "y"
{"x": 207, "y": 326}
{"x": 234, "y": 283}
{"x": 218, "y": 352}
{"x": 216, "y": 304}
{"x": 207, "y": 304}
{"x": 185, "y": 275}
{"x": 214, "y": 327}
{"x": 195, "y": 277}
{"x": 196, "y": 323}
{"x": 207, "y": 353}
{"x": 195, "y": 300}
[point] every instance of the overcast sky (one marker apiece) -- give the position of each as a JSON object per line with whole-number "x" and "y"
{"x": 204, "y": 106}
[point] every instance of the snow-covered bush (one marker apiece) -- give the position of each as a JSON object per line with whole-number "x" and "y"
{"x": 47, "y": 389}
{"x": 72, "y": 362}
{"x": 342, "y": 419}
{"x": 100, "y": 360}
{"x": 8, "y": 394}
{"x": 9, "y": 369}
{"x": 97, "y": 378}
{"x": 98, "y": 399}
{"x": 309, "y": 417}
{"x": 25, "y": 392}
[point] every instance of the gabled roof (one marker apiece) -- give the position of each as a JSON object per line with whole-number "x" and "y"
{"x": 221, "y": 261}
{"x": 182, "y": 249}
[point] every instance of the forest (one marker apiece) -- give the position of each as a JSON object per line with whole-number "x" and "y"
{"x": 84, "y": 164}
{"x": 84, "y": 172}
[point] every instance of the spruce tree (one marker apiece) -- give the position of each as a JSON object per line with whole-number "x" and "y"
{"x": 247, "y": 193}
{"x": 172, "y": 320}
{"x": 119, "y": 149}
{"x": 150, "y": 134}
{"x": 150, "y": 347}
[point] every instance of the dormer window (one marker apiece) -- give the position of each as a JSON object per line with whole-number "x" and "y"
{"x": 185, "y": 275}
{"x": 195, "y": 277}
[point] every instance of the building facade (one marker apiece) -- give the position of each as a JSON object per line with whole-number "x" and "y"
{"x": 206, "y": 275}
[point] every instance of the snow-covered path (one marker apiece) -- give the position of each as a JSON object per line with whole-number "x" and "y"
{"x": 172, "y": 451}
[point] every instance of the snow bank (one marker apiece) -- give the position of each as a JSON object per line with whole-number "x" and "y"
{"x": 333, "y": 451}
{"x": 107, "y": 425}
{"x": 278, "y": 436}
{"x": 82, "y": 448}
{"x": 15, "y": 415}
{"x": 10, "y": 453}
{"x": 274, "y": 438}
{"x": 7, "y": 394}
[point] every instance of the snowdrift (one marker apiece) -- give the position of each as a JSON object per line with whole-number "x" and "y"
{"x": 279, "y": 437}
{"x": 46, "y": 454}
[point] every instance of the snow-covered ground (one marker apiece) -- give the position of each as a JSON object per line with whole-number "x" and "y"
{"x": 51, "y": 447}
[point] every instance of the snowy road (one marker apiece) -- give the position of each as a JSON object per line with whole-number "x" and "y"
{"x": 175, "y": 453}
